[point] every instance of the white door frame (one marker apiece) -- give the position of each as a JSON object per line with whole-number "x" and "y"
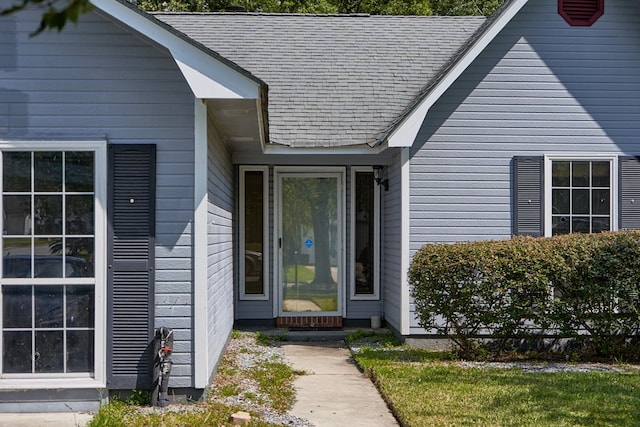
{"x": 309, "y": 172}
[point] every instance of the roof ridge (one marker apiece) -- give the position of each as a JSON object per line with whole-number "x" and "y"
{"x": 315, "y": 15}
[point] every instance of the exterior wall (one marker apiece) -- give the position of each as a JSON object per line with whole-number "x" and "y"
{"x": 391, "y": 248}
{"x": 541, "y": 87}
{"x": 96, "y": 81}
{"x": 219, "y": 245}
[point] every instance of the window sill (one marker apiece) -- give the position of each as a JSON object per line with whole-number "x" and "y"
{"x": 364, "y": 297}
{"x": 249, "y": 297}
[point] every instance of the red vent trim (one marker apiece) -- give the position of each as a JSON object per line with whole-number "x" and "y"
{"x": 581, "y": 13}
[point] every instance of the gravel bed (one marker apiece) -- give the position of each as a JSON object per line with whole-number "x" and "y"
{"x": 247, "y": 354}
{"x": 533, "y": 367}
{"x": 540, "y": 367}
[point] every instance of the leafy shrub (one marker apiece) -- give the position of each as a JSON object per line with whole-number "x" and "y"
{"x": 585, "y": 287}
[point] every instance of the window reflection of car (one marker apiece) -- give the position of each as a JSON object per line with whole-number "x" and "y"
{"x": 252, "y": 263}
{"x": 19, "y": 266}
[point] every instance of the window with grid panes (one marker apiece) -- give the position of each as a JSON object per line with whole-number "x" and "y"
{"x": 48, "y": 247}
{"x": 581, "y": 196}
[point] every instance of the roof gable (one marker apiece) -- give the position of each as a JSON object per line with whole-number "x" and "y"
{"x": 209, "y": 75}
{"x": 333, "y": 80}
{"x": 403, "y": 131}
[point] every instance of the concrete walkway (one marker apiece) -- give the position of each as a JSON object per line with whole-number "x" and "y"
{"x": 56, "y": 419}
{"x": 334, "y": 393}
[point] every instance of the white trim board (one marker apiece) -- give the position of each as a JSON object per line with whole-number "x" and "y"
{"x": 339, "y": 172}
{"x": 208, "y": 77}
{"x": 614, "y": 208}
{"x": 242, "y": 296}
{"x": 200, "y": 236}
{"x": 71, "y": 380}
{"x": 405, "y": 134}
{"x": 405, "y": 240}
{"x": 376, "y": 239}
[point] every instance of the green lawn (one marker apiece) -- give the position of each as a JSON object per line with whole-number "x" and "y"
{"x": 424, "y": 392}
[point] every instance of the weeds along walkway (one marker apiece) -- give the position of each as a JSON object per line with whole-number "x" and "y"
{"x": 334, "y": 393}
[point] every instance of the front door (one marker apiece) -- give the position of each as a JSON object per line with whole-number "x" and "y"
{"x": 310, "y": 228}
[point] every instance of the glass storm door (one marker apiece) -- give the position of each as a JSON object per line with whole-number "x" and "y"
{"x": 310, "y": 249}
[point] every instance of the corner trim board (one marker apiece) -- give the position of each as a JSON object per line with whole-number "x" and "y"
{"x": 405, "y": 240}
{"x": 200, "y": 218}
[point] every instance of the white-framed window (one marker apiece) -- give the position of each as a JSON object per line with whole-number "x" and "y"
{"x": 53, "y": 286}
{"x": 581, "y": 194}
{"x": 365, "y": 235}
{"x": 254, "y": 232}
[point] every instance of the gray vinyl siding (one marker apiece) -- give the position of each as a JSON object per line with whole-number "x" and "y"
{"x": 96, "y": 81}
{"x": 541, "y": 87}
{"x": 391, "y": 246}
{"x": 362, "y": 309}
{"x": 219, "y": 246}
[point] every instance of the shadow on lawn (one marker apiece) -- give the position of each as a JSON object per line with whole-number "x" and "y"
{"x": 404, "y": 354}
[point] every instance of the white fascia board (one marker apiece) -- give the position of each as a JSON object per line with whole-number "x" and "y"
{"x": 207, "y": 77}
{"x": 405, "y": 134}
{"x": 357, "y": 150}
{"x": 210, "y": 79}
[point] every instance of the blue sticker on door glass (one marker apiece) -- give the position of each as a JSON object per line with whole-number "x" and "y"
{"x": 308, "y": 243}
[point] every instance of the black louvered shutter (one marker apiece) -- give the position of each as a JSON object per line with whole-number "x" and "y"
{"x": 629, "y": 193}
{"x": 528, "y": 199}
{"x": 131, "y": 265}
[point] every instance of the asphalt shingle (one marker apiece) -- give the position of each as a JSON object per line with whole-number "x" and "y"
{"x": 333, "y": 79}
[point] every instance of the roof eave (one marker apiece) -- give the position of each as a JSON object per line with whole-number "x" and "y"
{"x": 403, "y": 132}
{"x": 209, "y": 75}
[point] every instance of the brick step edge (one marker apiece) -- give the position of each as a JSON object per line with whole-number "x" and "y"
{"x": 309, "y": 322}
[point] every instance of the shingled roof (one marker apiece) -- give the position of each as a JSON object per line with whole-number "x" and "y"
{"x": 333, "y": 80}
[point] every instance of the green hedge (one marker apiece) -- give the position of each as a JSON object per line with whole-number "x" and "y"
{"x": 585, "y": 287}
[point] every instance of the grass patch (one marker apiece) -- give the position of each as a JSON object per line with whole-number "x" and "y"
{"x": 276, "y": 381}
{"x": 229, "y": 390}
{"x": 384, "y": 338}
{"x": 271, "y": 339}
{"x": 210, "y": 414}
{"x": 424, "y": 388}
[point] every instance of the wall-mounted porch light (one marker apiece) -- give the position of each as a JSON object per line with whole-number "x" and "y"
{"x": 378, "y": 174}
